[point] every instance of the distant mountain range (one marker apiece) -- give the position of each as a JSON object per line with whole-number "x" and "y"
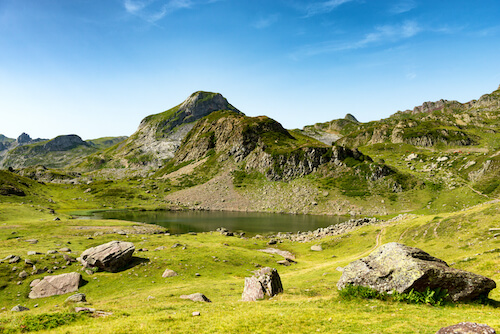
{"x": 207, "y": 146}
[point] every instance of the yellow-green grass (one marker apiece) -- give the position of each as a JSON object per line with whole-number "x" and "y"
{"x": 141, "y": 301}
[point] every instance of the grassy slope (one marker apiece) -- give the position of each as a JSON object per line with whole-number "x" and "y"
{"x": 310, "y": 301}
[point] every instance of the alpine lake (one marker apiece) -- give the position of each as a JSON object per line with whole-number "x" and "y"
{"x": 180, "y": 222}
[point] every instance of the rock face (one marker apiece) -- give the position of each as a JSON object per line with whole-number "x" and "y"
{"x": 467, "y": 328}
{"x": 109, "y": 257}
{"x": 401, "y": 268}
{"x": 24, "y": 138}
{"x": 266, "y": 281}
{"x": 54, "y": 285}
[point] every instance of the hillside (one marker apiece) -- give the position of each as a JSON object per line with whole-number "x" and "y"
{"x": 58, "y": 152}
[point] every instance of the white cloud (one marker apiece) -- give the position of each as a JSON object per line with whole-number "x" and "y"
{"x": 403, "y": 7}
{"x": 385, "y": 34}
{"x": 323, "y": 7}
{"x": 265, "y": 22}
{"x": 155, "y": 10}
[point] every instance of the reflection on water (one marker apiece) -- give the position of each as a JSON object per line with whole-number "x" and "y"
{"x": 203, "y": 221}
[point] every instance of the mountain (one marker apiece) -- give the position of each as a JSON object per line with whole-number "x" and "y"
{"x": 58, "y": 152}
{"x": 159, "y": 135}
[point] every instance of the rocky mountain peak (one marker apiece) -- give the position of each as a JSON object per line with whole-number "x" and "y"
{"x": 351, "y": 118}
{"x": 24, "y": 138}
{"x": 200, "y": 104}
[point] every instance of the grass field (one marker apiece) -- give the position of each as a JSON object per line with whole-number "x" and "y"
{"x": 141, "y": 301}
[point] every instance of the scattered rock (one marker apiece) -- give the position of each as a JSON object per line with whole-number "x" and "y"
{"x": 266, "y": 281}
{"x": 57, "y": 219}
{"x": 19, "y": 308}
{"x": 14, "y": 259}
{"x": 23, "y": 274}
{"x": 32, "y": 241}
{"x": 84, "y": 309}
{"x": 284, "y": 263}
{"x": 272, "y": 242}
{"x": 316, "y": 248}
{"x": 196, "y": 314}
{"x": 33, "y": 253}
{"x": 29, "y": 262}
{"x": 160, "y": 248}
{"x": 76, "y": 298}
{"x": 109, "y": 257}
{"x": 52, "y": 251}
{"x": 196, "y": 297}
{"x": 285, "y": 254}
{"x": 65, "y": 250}
{"x": 401, "y": 268}
{"x": 467, "y": 328}
{"x": 168, "y": 273}
{"x": 411, "y": 157}
{"x": 55, "y": 285}
{"x": 176, "y": 245}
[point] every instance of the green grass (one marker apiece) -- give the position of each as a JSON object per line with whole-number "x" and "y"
{"x": 142, "y": 302}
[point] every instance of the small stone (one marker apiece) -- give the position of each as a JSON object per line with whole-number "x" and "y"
{"x": 196, "y": 297}
{"x": 19, "y": 308}
{"x": 197, "y": 274}
{"x": 65, "y": 249}
{"x": 316, "y": 248}
{"x": 23, "y": 274}
{"x": 272, "y": 242}
{"x": 168, "y": 273}
{"x": 33, "y": 253}
{"x": 76, "y": 298}
{"x": 15, "y": 259}
{"x": 196, "y": 314}
{"x": 57, "y": 219}
{"x": 32, "y": 241}
{"x": 52, "y": 251}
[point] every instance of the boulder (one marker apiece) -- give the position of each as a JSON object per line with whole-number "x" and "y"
{"x": 316, "y": 248}
{"x": 19, "y": 308}
{"x": 76, "y": 298}
{"x": 109, "y": 257}
{"x": 396, "y": 267}
{"x": 196, "y": 297}
{"x": 266, "y": 281}
{"x": 55, "y": 285}
{"x": 168, "y": 273}
{"x": 467, "y": 328}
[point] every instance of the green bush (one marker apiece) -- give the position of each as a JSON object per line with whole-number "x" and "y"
{"x": 434, "y": 297}
{"x": 43, "y": 321}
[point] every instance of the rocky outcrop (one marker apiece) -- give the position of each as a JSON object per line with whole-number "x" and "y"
{"x": 351, "y": 118}
{"x": 64, "y": 143}
{"x": 54, "y": 285}
{"x": 111, "y": 256}
{"x": 396, "y": 267}
{"x": 24, "y": 138}
{"x": 467, "y": 328}
{"x": 265, "y": 282}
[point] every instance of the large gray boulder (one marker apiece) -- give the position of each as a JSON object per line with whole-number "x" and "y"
{"x": 266, "y": 281}
{"x": 109, "y": 257}
{"x": 396, "y": 267}
{"x": 467, "y": 328}
{"x": 55, "y": 285}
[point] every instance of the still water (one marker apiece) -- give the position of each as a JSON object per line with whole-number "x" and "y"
{"x": 204, "y": 221}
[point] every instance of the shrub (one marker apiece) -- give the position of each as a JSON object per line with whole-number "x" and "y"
{"x": 434, "y": 297}
{"x": 47, "y": 321}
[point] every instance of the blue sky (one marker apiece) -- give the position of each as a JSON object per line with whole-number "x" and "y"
{"x": 97, "y": 67}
